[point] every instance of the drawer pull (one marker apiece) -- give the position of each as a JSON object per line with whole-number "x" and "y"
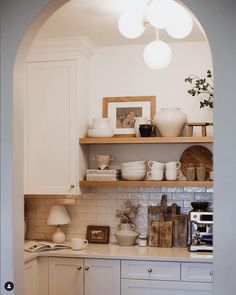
{"x": 72, "y": 186}
{"x": 79, "y": 267}
{"x": 86, "y": 268}
{"x": 150, "y": 270}
{"x": 211, "y": 273}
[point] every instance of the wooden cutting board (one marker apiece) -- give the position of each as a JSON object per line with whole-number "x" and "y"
{"x": 197, "y": 154}
{"x": 160, "y": 233}
{"x": 180, "y": 228}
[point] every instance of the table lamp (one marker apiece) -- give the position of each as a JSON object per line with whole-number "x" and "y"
{"x": 58, "y": 216}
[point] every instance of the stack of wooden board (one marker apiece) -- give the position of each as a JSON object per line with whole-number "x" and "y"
{"x": 167, "y": 227}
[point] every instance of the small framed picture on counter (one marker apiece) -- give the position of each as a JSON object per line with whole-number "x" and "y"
{"x": 122, "y": 111}
{"x": 98, "y": 234}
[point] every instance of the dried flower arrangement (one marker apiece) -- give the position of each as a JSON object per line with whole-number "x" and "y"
{"x": 127, "y": 212}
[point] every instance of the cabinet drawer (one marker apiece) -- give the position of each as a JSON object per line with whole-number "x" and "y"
{"x": 196, "y": 272}
{"x": 147, "y": 287}
{"x": 152, "y": 270}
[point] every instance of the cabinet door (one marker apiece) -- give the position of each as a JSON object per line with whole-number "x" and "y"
{"x": 50, "y": 128}
{"x": 31, "y": 278}
{"x": 65, "y": 276}
{"x": 101, "y": 277}
{"x": 147, "y": 287}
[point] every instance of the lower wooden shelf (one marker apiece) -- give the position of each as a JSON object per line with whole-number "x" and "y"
{"x": 147, "y": 183}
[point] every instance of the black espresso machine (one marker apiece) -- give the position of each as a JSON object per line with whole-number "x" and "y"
{"x": 201, "y": 227}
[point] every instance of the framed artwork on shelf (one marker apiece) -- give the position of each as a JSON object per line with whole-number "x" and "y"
{"x": 98, "y": 234}
{"x": 122, "y": 111}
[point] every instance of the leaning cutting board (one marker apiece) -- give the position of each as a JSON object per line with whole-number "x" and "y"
{"x": 160, "y": 233}
{"x": 180, "y": 228}
{"x": 196, "y": 154}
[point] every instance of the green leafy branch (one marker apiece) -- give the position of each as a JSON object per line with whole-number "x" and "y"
{"x": 202, "y": 86}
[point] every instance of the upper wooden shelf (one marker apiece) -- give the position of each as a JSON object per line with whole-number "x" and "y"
{"x": 146, "y": 183}
{"x": 144, "y": 140}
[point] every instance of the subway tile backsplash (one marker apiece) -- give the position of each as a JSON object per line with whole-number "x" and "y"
{"x": 99, "y": 208}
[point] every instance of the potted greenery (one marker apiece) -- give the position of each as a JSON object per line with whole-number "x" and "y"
{"x": 204, "y": 87}
{"x": 125, "y": 235}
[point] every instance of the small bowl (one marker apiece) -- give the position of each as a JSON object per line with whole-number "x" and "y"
{"x": 133, "y": 176}
{"x": 133, "y": 163}
{"x": 102, "y": 132}
{"x": 131, "y": 171}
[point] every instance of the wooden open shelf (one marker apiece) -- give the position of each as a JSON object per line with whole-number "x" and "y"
{"x": 146, "y": 183}
{"x": 144, "y": 140}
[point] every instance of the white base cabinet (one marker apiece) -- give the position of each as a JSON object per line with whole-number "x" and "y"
{"x": 65, "y": 276}
{"x": 73, "y": 276}
{"x": 31, "y": 282}
{"x": 85, "y": 276}
{"x": 101, "y": 277}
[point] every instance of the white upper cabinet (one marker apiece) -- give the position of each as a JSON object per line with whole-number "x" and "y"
{"x": 56, "y": 109}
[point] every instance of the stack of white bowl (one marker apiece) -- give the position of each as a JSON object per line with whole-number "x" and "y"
{"x": 133, "y": 170}
{"x": 101, "y": 127}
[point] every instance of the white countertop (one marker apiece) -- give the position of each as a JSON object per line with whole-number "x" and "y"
{"x": 114, "y": 251}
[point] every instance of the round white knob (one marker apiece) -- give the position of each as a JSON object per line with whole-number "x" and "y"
{"x": 79, "y": 267}
{"x": 86, "y": 268}
{"x": 211, "y": 273}
{"x": 72, "y": 186}
{"x": 150, "y": 270}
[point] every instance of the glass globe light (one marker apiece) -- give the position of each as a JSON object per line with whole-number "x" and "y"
{"x": 181, "y": 25}
{"x": 157, "y": 55}
{"x": 160, "y": 13}
{"x": 131, "y": 24}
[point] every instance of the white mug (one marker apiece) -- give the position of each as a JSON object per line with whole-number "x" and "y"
{"x": 172, "y": 165}
{"x": 155, "y": 175}
{"x": 78, "y": 243}
{"x": 173, "y": 174}
{"x": 154, "y": 165}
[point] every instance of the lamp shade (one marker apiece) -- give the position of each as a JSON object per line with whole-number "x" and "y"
{"x": 58, "y": 215}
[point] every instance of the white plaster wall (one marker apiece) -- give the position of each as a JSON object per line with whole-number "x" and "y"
{"x": 120, "y": 71}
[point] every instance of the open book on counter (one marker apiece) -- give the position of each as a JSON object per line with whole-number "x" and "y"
{"x": 36, "y": 246}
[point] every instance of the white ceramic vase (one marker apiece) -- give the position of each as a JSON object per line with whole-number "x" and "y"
{"x": 139, "y": 121}
{"x": 170, "y": 121}
{"x": 126, "y": 235}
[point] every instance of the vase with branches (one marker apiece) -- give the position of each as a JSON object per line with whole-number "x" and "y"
{"x": 203, "y": 87}
{"x": 126, "y": 234}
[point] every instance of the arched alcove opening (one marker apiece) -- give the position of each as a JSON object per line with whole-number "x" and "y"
{"x": 217, "y": 20}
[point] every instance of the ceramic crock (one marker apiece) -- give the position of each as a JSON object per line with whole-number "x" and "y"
{"x": 170, "y": 121}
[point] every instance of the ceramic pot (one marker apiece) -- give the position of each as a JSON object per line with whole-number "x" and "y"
{"x": 170, "y": 121}
{"x": 138, "y": 122}
{"x": 147, "y": 130}
{"x": 126, "y": 234}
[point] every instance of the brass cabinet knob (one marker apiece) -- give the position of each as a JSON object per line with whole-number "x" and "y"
{"x": 86, "y": 268}
{"x": 79, "y": 267}
{"x": 150, "y": 270}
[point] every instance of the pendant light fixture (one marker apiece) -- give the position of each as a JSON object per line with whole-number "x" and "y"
{"x": 161, "y": 14}
{"x": 157, "y": 54}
